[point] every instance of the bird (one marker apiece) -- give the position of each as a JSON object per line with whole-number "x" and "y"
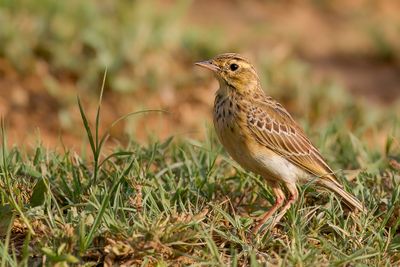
{"x": 261, "y": 135}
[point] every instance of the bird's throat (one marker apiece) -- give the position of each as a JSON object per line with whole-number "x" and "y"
{"x": 225, "y": 90}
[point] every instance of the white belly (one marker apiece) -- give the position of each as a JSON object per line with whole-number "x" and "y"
{"x": 281, "y": 168}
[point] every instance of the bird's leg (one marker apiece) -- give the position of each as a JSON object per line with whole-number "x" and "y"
{"x": 294, "y": 195}
{"x": 280, "y": 197}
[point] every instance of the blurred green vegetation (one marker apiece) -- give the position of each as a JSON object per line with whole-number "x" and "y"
{"x": 149, "y": 40}
{"x": 80, "y": 39}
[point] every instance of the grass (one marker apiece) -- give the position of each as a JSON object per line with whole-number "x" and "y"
{"x": 184, "y": 202}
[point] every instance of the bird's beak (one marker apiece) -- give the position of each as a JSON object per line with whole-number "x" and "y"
{"x": 208, "y": 65}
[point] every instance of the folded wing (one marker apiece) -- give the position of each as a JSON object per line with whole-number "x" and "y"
{"x": 272, "y": 126}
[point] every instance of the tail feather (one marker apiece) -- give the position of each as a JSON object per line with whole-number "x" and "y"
{"x": 351, "y": 201}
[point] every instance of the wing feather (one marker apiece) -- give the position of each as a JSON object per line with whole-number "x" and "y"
{"x": 272, "y": 126}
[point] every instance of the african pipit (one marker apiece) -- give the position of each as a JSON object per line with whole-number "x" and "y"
{"x": 262, "y": 136}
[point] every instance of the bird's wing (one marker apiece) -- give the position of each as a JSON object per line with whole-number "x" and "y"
{"x": 272, "y": 126}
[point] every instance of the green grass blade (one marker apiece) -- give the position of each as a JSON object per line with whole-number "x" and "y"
{"x": 87, "y": 126}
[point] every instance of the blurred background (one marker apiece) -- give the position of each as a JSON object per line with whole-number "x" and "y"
{"x": 323, "y": 60}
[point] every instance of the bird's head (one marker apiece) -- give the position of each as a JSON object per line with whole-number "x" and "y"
{"x": 233, "y": 70}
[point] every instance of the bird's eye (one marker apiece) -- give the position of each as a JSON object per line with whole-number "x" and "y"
{"x": 233, "y": 66}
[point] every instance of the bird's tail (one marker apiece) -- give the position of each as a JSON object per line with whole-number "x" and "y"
{"x": 351, "y": 201}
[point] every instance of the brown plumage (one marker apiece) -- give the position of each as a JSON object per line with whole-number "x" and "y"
{"x": 262, "y": 136}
